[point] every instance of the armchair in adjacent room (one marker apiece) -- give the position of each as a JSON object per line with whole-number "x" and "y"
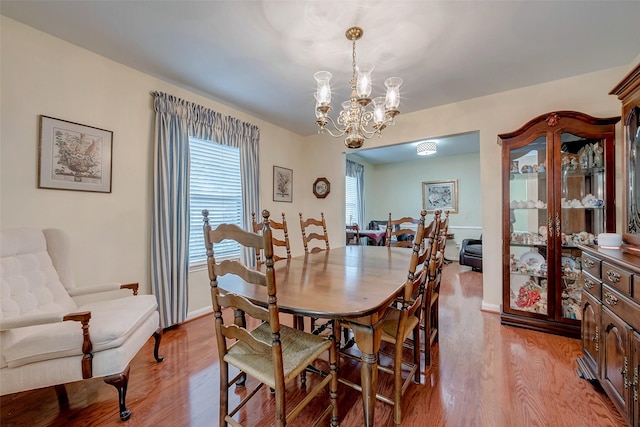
{"x": 471, "y": 253}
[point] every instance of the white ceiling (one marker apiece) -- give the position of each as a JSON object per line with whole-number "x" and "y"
{"x": 260, "y": 56}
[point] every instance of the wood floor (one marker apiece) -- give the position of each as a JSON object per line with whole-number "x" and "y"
{"x": 483, "y": 374}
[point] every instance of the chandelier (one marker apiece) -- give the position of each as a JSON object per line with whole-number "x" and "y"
{"x": 357, "y": 121}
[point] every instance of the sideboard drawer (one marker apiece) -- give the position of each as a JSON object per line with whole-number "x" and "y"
{"x": 591, "y": 265}
{"x": 622, "y": 306}
{"x": 592, "y": 285}
{"x": 617, "y": 278}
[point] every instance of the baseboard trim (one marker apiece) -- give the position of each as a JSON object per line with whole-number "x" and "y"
{"x": 491, "y": 308}
{"x": 200, "y": 312}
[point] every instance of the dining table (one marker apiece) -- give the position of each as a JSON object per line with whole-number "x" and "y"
{"x": 355, "y": 284}
{"x": 378, "y": 236}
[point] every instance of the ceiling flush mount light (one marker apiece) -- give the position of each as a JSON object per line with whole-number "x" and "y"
{"x": 427, "y": 147}
{"x": 357, "y": 121}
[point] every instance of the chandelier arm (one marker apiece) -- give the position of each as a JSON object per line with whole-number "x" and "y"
{"x": 335, "y": 135}
{"x": 368, "y": 134}
{"x": 340, "y": 133}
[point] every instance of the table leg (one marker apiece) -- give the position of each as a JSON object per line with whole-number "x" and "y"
{"x": 368, "y": 340}
{"x": 240, "y": 320}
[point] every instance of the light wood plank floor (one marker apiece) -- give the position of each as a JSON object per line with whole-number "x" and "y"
{"x": 483, "y": 374}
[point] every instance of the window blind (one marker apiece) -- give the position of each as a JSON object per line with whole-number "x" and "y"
{"x": 352, "y": 204}
{"x": 215, "y": 185}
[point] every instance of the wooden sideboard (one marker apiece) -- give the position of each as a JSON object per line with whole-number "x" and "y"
{"x": 611, "y": 326}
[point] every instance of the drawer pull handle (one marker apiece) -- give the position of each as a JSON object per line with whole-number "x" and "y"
{"x": 588, "y": 284}
{"x": 610, "y": 298}
{"x": 613, "y": 276}
{"x": 588, "y": 263}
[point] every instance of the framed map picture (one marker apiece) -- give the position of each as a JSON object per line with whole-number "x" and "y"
{"x": 72, "y": 156}
{"x": 440, "y": 195}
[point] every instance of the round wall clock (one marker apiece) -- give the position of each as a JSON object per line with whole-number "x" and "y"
{"x": 321, "y": 188}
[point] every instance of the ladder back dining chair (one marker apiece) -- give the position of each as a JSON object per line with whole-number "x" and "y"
{"x": 282, "y": 243}
{"x": 400, "y": 323}
{"x": 309, "y": 237}
{"x": 314, "y": 238}
{"x": 431, "y": 307}
{"x": 353, "y": 234}
{"x": 272, "y": 354}
{"x": 400, "y": 231}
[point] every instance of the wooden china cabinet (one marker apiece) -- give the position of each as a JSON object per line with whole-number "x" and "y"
{"x": 611, "y": 277}
{"x": 558, "y": 191}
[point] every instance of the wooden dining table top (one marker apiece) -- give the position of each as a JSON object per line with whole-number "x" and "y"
{"x": 344, "y": 282}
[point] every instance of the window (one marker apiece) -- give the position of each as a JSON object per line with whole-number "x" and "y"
{"x": 354, "y": 194}
{"x": 215, "y": 184}
{"x": 352, "y": 203}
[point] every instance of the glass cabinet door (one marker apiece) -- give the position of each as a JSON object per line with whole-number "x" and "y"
{"x": 582, "y": 212}
{"x": 528, "y": 208}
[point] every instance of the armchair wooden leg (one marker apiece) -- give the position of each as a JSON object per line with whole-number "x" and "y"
{"x": 63, "y": 398}
{"x": 120, "y": 382}
{"x": 157, "y": 335}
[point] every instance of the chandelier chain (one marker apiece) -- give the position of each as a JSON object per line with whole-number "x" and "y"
{"x": 353, "y": 65}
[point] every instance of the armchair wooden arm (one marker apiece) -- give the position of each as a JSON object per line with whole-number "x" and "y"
{"x": 104, "y": 287}
{"x": 43, "y": 319}
{"x": 87, "y": 347}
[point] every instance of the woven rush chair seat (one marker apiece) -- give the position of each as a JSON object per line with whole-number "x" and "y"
{"x": 389, "y": 327}
{"x": 299, "y": 349}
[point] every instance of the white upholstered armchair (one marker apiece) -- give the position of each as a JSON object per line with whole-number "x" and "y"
{"x": 47, "y": 338}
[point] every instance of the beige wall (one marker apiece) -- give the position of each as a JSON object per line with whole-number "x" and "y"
{"x": 397, "y": 188}
{"x": 111, "y": 232}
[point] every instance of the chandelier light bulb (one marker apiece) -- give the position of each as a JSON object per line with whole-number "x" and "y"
{"x": 360, "y": 118}
{"x": 364, "y": 81}
{"x": 323, "y": 92}
{"x": 393, "y": 92}
{"x": 378, "y": 109}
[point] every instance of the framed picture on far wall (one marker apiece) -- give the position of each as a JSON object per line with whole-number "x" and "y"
{"x": 72, "y": 156}
{"x": 282, "y": 184}
{"x": 440, "y": 195}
